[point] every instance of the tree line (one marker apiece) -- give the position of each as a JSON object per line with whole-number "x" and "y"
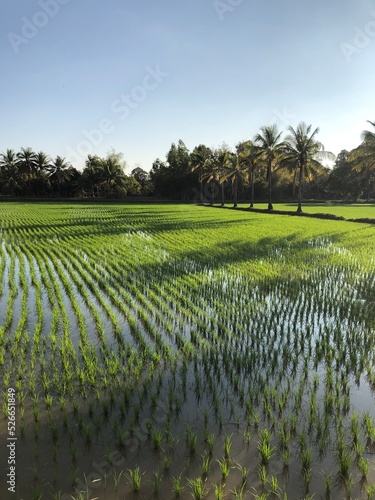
{"x": 268, "y": 167}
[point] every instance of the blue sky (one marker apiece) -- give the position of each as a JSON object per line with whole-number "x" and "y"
{"x": 85, "y": 76}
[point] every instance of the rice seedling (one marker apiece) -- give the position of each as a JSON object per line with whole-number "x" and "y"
{"x": 157, "y": 438}
{"x": 197, "y": 488}
{"x": 177, "y": 486}
{"x": 274, "y": 485}
{"x": 191, "y": 440}
{"x": 227, "y": 446}
{"x": 210, "y": 440}
{"x": 224, "y": 468}
{"x": 205, "y": 465}
{"x": 156, "y": 483}
{"x": 244, "y": 472}
{"x": 219, "y": 491}
{"x": 166, "y": 462}
{"x": 238, "y": 493}
{"x": 264, "y": 447}
{"x": 263, "y": 475}
{"x": 344, "y": 462}
{"x": 363, "y": 466}
{"x": 370, "y": 491}
{"x": 134, "y": 477}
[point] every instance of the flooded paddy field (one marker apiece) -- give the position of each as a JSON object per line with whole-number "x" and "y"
{"x": 162, "y": 351}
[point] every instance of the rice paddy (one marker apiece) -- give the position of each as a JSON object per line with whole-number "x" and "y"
{"x": 348, "y": 211}
{"x": 177, "y": 351}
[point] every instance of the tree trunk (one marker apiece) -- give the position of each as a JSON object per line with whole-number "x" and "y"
{"x": 222, "y": 194}
{"x": 299, "y": 209}
{"x": 252, "y": 190}
{"x": 201, "y": 183}
{"x": 270, "y": 206}
{"x": 235, "y": 194}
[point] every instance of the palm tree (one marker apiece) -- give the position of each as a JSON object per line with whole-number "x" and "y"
{"x": 250, "y": 157}
{"x": 199, "y": 160}
{"x": 112, "y": 173}
{"x": 270, "y": 145}
{"x": 302, "y": 152}
{"x": 42, "y": 162}
{"x": 221, "y": 162}
{"x": 10, "y": 175}
{"x": 61, "y": 171}
{"x": 27, "y": 162}
{"x": 363, "y": 156}
{"x": 236, "y": 174}
{"x": 8, "y": 160}
{"x": 210, "y": 175}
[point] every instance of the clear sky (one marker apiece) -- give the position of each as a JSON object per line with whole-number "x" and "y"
{"x": 85, "y": 76}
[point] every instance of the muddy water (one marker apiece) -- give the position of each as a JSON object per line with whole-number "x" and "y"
{"x": 215, "y": 398}
{"x": 39, "y": 465}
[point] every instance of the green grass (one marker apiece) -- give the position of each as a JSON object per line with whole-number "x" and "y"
{"x": 346, "y": 210}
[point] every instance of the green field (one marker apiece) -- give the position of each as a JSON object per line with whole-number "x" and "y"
{"x": 157, "y": 348}
{"x": 348, "y": 211}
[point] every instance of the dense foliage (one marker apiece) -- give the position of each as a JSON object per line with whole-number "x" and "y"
{"x": 267, "y": 168}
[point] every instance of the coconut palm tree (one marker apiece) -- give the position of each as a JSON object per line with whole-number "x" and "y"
{"x": 250, "y": 158}
{"x": 210, "y": 175}
{"x": 270, "y": 145}
{"x": 8, "y": 160}
{"x": 9, "y": 173}
{"x": 61, "y": 172}
{"x": 302, "y": 152}
{"x": 199, "y": 160}
{"x": 236, "y": 174}
{"x": 27, "y": 162}
{"x": 42, "y": 162}
{"x": 363, "y": 157}
{"x": 221, "y": 163}
{"x": 112, "y": 173}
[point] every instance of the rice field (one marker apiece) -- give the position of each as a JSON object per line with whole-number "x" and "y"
{"x": 348, "y": 211}
{"x": 176, "y": 351}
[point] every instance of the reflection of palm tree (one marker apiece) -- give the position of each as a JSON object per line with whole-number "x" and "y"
{"x": 301, "y": 152}
{"x": 270, "y": 145}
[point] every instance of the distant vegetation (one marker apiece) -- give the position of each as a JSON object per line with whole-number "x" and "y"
{"x": 269, "y": 167}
